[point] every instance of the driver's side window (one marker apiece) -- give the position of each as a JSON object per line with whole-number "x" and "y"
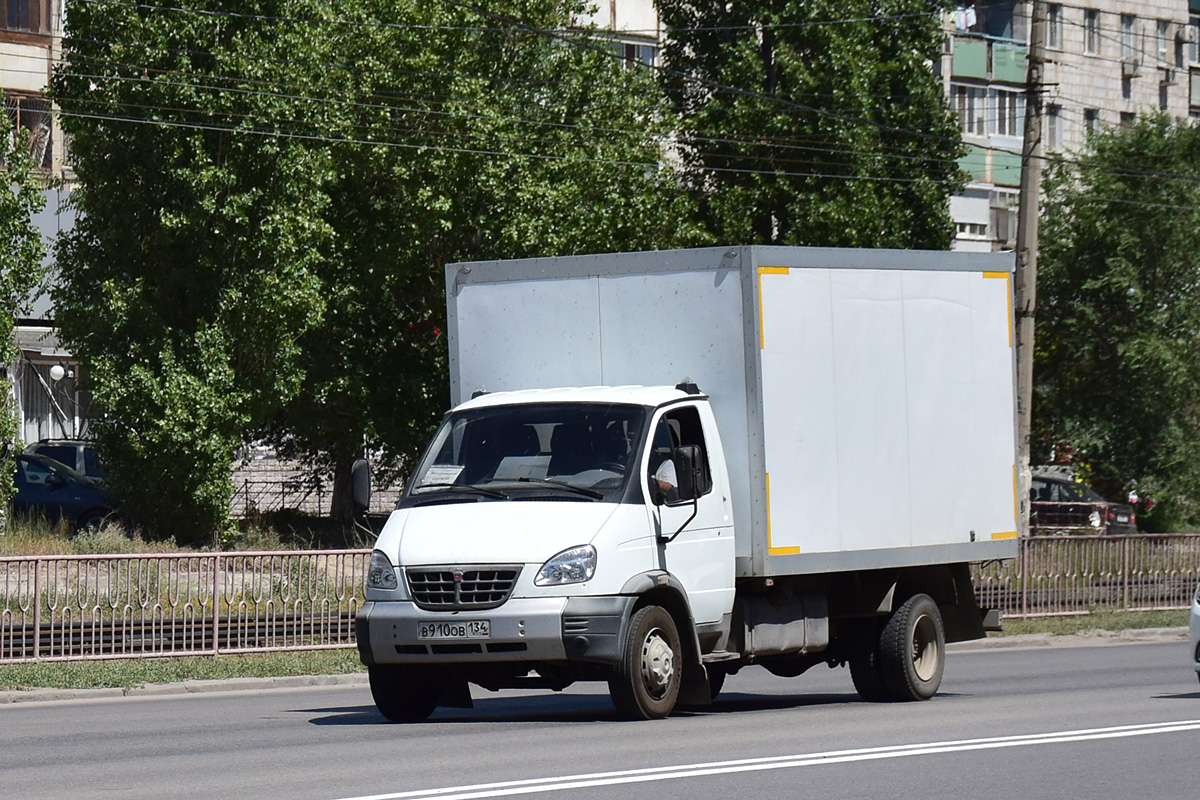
{"x": 675, "y": 429}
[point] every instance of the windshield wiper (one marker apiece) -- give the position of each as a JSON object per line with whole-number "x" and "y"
{"x": 462, "y": 487}
{"x": 580, "y": 490}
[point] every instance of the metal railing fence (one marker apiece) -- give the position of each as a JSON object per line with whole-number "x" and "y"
{"x": 60, "y": 608}
{"x": 1075, "y": 574}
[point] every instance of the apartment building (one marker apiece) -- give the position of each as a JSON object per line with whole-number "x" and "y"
{"x": 635, "y": 27}
{"x": 1106, "y": 63}
{"x": 44, "y": 377}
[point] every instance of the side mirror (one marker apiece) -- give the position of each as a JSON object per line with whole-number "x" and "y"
{"x": 55, "y": 481}
{"x": 360, "y": 485}
{"x": 687, "y": 471}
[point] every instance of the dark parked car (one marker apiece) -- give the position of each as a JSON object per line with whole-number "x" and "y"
{"x": 1059, "y": 505}
{"x": 79, "y": 454}
{"x": 54, "y": 491}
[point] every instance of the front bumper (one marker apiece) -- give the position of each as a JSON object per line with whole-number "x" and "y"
{"x": 534, "y": 629}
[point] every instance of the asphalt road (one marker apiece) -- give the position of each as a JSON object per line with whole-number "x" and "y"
{"x": 1112, "y": 721}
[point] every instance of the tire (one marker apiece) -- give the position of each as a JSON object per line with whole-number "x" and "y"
{"x": 93, "y": 519}
{"x": 867, "y": 673}
{"x": 646, "y": 683}
{"x": 404, "y": 693}
{"x": 912, "y": 650}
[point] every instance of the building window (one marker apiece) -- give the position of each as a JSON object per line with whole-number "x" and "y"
{"x": 26, "y": 15}
{"x": 1127, "y": 119}
{"x": 1091, "y": 120}
{"x": 634, "y": 54}
{"x": 1053, "y": 128}
{"x": 972, "y": 230}
{"x": 32, "y": 112}
{"x": 969, "y": 102}
{"x": 1008, "y": 113}
{"x": 1194, "y": 39}
{"x": 1164, "y": 96}
{"x": 1162, "y": 39}
{"x": 1054, "y": 26}
{"x": 1128, "y": 44}
{"x": 1091, "y": 31}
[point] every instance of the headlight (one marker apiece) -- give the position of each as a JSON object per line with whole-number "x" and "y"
{"x": 570, "y": 566}
{"x": 380, "y": 574}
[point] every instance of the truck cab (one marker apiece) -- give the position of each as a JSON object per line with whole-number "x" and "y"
{"x": 535, "y": 528}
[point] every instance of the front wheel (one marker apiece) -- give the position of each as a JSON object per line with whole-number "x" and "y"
{"x": 93, "y": 520}
{"x": 404, "y": 693}
{"x": 912, "y": 650}
{"x": 646, "y": 683}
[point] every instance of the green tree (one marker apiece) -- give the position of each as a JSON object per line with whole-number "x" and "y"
{"x": 814, "y": 122}
{"x": 269, "y": 190}
{"x": 21, "y": 273}
{"x": 1118, "y": 318}
{"x": 191, "y": 274}
{"x": 499, "y": 136}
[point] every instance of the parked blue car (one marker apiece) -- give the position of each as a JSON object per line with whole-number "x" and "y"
{"x": 54, "y": 491}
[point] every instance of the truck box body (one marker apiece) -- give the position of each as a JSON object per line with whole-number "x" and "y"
{"x": 865, "y": 398}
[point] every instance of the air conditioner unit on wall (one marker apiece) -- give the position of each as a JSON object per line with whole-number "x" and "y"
{"x": 1168, "y": 76}
{"x": 1129, "y": 68}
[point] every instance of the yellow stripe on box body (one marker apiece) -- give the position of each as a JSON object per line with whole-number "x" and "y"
{"x": 762, "y": 336}
{"x": 1016, "y": 499}
{"x": 1008, "y": 277}
{"x": 771, "y": 550}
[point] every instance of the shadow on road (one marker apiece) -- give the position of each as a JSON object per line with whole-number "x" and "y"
{"x": 573, "y": 708}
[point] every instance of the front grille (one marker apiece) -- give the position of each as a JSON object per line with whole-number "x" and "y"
{"x": 450, "y": 588}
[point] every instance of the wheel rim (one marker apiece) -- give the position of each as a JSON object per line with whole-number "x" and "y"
{"x": 925, "y": 653}
{"x": 658, "y": 663}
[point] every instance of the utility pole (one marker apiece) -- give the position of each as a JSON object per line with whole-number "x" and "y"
{"x": 1025, "y": 280}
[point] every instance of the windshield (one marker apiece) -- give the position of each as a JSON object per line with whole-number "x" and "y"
{"x": 578, "y": 451}
{"x": 44, "y": 465}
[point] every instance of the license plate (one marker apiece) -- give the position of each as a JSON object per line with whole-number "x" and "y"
{"x": 466, "y": 629}
{"x": 1122, "y": 518}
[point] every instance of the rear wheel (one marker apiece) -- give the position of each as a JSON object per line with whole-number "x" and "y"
{"x": 404, "y": 693}
{"x": 912, "y": 650}
{"x": 646, "y": 684}
{"x": 867, "y": 673}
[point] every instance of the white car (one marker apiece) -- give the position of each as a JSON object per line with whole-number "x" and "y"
{"x": 1195, "y": 638}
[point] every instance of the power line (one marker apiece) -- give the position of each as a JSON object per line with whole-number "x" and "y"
{"x": 774, "y": 142}
{"x": 143, "y": 71}
{"x": 465, "y": 150}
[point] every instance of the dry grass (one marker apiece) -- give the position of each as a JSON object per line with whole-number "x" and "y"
{"x": 280, "y": 531}
{"x": 37, "y": 537}
{"x": 1098, "y": 620}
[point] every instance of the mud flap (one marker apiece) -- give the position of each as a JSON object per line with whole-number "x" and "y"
{"x": 695, "y": 690}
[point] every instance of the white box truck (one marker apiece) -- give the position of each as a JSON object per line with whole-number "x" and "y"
{"x": 662, "y": 467}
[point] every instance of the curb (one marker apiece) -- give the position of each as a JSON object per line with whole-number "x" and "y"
{"x": 1092, "y": 639}
{"x": 185, "y": 688}
{"x": 1023, "y": 641}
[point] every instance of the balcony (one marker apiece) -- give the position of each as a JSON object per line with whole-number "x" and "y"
{"x": 987, "y": 59}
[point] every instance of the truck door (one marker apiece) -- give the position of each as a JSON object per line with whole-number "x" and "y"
{"x": 701, "y": 556}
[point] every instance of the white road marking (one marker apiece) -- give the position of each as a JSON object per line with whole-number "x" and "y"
{"x": 565, "y": 782}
